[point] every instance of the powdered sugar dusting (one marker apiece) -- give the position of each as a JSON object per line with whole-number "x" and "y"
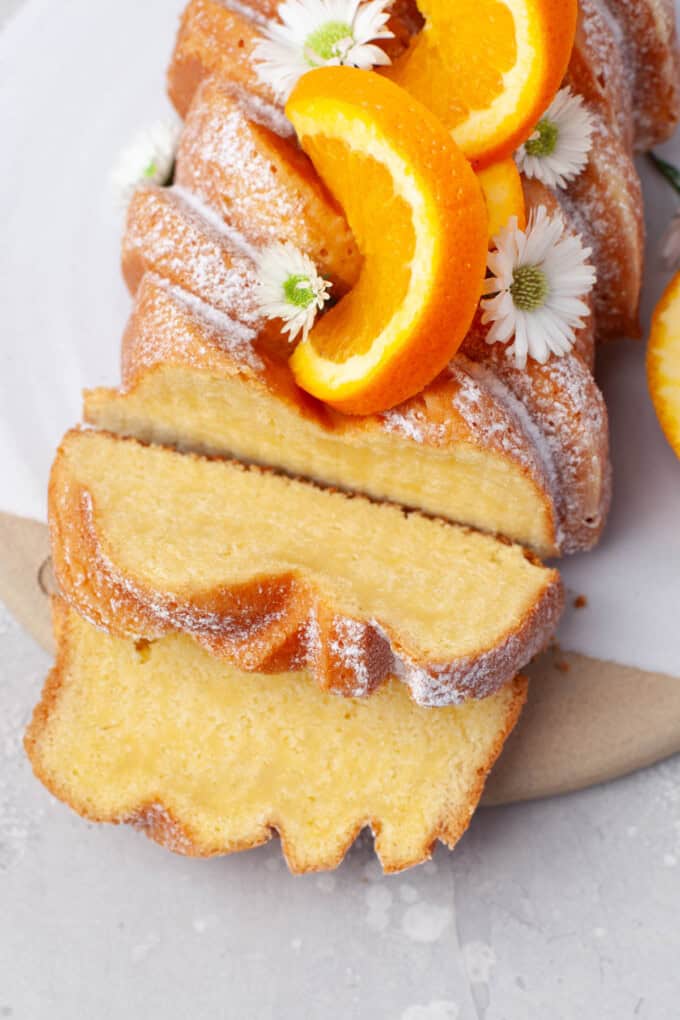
{"x": 572, "y": 431}
{"x": 411, "y": 424}
{"x": 649, "y": 57}
{"x": 605, "y": 205}
{"x": 489, "y": 412}
{"x": 217, "y": 136}
{"x": 170, "y": 238}
{"x": 439, "y": 684}
{"x": 219, "y": 224}
{"x": 562, "y": 413}
{"x": 598, "y": 47}
{"x": 264, "y": 112}
{"x": 264, "y": 185}
{"x": 155, "y": 821}
{"x": 350, "y": 653}
{"x": 169, "y": 323}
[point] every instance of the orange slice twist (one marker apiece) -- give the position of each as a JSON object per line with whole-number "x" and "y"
{"x": 419, "y": 219}
{"x": 663, "y": 362}
{"x": 488, "y": 68}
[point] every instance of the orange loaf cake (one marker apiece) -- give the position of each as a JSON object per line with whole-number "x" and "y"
{"x": 519, "y": 453}
{"x": 211, "y": 609}
{"x": 207, "y": 760}
{"x": 277, "y": 574}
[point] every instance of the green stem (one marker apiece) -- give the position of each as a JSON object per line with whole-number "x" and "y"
{"x": 670, "y": 172}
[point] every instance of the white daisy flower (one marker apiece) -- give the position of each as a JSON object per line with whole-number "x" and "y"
{"x": 147, "y": 159}
{"x": 290, "y": 288}
{"x": 539, "y": 277}
{"x": 314, "y": 33}
{"x": 557, "y": 151}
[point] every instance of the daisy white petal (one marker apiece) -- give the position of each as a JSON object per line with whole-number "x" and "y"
{"x": 534, "y": 293}
{"x": 317, "y": 33}
{"x": 147, "y": 159}
{"x": 290, "y": 288}
{"x": 557, "y": 151}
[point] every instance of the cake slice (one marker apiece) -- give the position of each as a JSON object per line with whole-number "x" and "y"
{"x": 518, "y": 453}
{"x": 207, "y": 760}
{"x": 277, "y": 574}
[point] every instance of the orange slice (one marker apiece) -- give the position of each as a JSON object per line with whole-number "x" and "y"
{"x": 504, "y": 195}
{"x": 418, "y": 217}
{"x": 488, "y": 68}
{"x": 663, "y": 362}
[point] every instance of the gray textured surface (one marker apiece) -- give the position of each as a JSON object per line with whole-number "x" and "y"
{"x": 561, "y": 909}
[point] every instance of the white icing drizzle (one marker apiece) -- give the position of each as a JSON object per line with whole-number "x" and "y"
{"x": 531, "y": 430}
{"x": 246, "y": 10}
{"x": 181, "y": 244}
{"x": 217, "y": 222}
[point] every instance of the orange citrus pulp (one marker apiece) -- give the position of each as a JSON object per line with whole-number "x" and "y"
{"x": 488, "y": 68}
{"x": 663, "y": 362}
{"x": 419, "y": 219}
{"x": 504, "y": 196}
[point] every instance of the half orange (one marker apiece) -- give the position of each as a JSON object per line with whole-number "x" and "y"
{"x": 488, "y": 68}
{"x": 419, "y": 219}
{"x": 663, "y": 362}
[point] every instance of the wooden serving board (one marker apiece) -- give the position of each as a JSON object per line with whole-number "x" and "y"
{"x": 586, "y": 720}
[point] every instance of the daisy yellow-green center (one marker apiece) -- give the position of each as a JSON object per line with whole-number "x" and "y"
{"x": 323, "y": 41}
{"x": 529, "y": 288}
{"x": 544, "y": 144}
{"x": 151, "y": 170}
{"x": 298, "y": 290}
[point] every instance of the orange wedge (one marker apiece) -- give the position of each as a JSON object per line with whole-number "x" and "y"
{"x": 503, "y": 193}
{"x": 663, "y": 362}
{"x": 488, "y": 68}
{"x": 419, "y": 219}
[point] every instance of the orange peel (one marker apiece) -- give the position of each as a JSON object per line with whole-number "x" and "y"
{"x": 504, "y": 195}
{"x": 419, "y": 219}
{"x": 663, "y": 362}
{"x": 488, "y": 68}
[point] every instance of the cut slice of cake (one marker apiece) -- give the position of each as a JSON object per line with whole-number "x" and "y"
{"x": 208, "y": 760}
{"x": 278, "y": 574}
{"x": 518, "y": 453}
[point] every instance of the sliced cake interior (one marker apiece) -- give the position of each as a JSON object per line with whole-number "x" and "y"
{"x": 458, "y": 450}
{"x": 208, "y": 760}
{"x": 275, "y": 572}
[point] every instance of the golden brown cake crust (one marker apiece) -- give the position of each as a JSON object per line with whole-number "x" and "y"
{"x": 157, "y": 822}
{"x": 447, "y": 412}
{"x": 274, "y": 623}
